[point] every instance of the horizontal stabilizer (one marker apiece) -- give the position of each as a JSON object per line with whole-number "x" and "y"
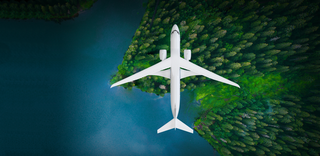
{"x": 184, "y": 127}
{"x": 167, "y": 126}
{"x": 171, "y": 124}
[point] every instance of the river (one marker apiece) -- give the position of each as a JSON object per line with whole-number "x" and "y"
{"x": 56, "y": 97}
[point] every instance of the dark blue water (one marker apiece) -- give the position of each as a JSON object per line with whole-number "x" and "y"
{"x": 55, "y": 94}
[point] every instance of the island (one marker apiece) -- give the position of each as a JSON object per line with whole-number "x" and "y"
{"x": 55, "y": 10}
{"x": 270, "y": 48}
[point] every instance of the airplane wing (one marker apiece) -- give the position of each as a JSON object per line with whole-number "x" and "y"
{"x": 197, "y": 70}
{"x": 153, "y": 70}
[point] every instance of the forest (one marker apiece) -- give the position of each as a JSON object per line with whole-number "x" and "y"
{"x": 270, "y": 48}
{"x": 56, "y": 10}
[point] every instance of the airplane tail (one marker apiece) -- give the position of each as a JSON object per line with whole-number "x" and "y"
{"x": 175, "y": 123}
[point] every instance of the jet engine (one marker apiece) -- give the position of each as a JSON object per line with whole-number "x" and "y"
{"x": 163, "y": 54}
{"x": 187, "y": 54}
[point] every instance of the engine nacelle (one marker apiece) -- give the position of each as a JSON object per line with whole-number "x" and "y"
{"x": 187, "y": 54}
{"x": 163, "y": 54}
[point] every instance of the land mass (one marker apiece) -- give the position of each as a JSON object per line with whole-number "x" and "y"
{"x": 55, "y": 10}
{"x": 270, "y": 48}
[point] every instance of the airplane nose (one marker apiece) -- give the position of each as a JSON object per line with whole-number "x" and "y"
{"x": 175, "y": 27}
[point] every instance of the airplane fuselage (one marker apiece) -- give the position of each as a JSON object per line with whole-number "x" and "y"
{"x": 175, "y": 71}
{"x": 175, "y": 62}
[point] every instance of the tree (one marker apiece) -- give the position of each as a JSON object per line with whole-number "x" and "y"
{"x": 223, "y": 4}
{"x": 249, "y": 121}
{"x": 256, "y": 23}
{"x": 202, "y": 47}
{"x": 299, "y": 23}
{"x": 166, "y": 20}
{"x": 220, "y": 33}
{"x": 204, "y": 37}
{"x": 249, "y": 56}
{"x": 256, "y": 29}
{"x": 272, "y": 52}
{"x": 44, "y": 9}
{"x": 196, "y": 50}
{"x": 267, "y": 33}
{"x": 14, "y": 6}
{"x": 129, "y": 57}
{"x": 227, "y": 126}
{"x": 164, "y": 46}
{"x": 151, "y": 3}
{"x": 249, "y": 142}
{"x": 187, "y": 45}
{"x": 247, "y": 18}
{"x": 212, "y": 40}
{"x": 200, "y": 28}
{"x": 251, "y": 6}
{"x": 22, "y": 7}
{"x": 227, "y": 19}
{"x": 162, "y": 36}
{"x": 230, "y": 54}
{"x": 74, "y": 9}
{"x": 157, "y": 21}
{"x": 192, "y": 36}
{"x": 147, "y": 32}
{"x": 198, "y": 6}
{"x": 233, "y": 36}
{"x": 213, "y": 46}
{"x": 225, "y": 151}
{"x": 182, "y": 5}
{"x": 236, "y": 49}
{"x": 235, "y": 66}
{"x": 64, "y": 10}
{"x": 184, "y": 28}
{"x": 260, "y": 46}
{"x": 217, "y": 59}
{"x": 295, "y": 3}
{"x": 282, "y": 45}
{"x": 249, "y": 44}
{"x": 51, "y": 10}
{"x": 139, "y": 57}
{"x": 269, "y": 47}
{"x": 68, "y": 5}
{"x": 243, "y": 64}
{"x": 247, "y": 36}
{"x": 144, "y": 46}
{"x": 30, "y": 7}
{"x": 312, "y": 9}
{"x": 216, "y": 21}
{"x": 57, "y": 9}
{"x": 212, "y": 68}
{"x": 301, "y": 40}
{"x": 221, "y": 50}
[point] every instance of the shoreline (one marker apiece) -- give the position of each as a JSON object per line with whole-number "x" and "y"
{"x": 48, "y": 16}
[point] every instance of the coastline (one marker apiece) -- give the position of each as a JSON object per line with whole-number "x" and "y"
{"x": 45, "y": 12}
{"x": 244, "y": 47}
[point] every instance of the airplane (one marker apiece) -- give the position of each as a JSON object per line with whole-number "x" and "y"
{"x": 175, "y": 73}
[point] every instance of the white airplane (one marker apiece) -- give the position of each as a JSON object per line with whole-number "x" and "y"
{"x": 175, "y": 73}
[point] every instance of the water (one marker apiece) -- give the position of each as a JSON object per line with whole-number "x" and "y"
{"x": 56, "y": 97}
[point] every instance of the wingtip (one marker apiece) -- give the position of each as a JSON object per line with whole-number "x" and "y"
{"x": 236, "y": 85}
